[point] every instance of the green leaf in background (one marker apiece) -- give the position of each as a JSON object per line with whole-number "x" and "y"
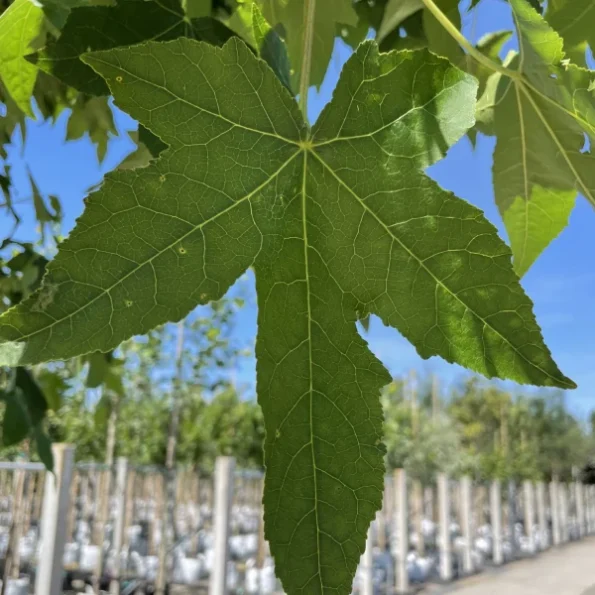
{"x": 270, "y": 47}
{"x": 44, "y": 447}
{"x": 409, "y": 35}
{"x": 489, "y": 45}
{"x": 395, "y": 13}
{"x": 195, "y": 9}
{"x": 54, "y": 386}
{"x": 338, "y": 221}
{"x": 574, "y": 20}
{"x": 106, "y": 27}
{"x": 369, "y": 16}
{"x": 16, "y": 423}
{"x": 541, "y": 119}
{"x": 102, "y": 410}
{"x": 25, "y": 408}
{"x": 92, "y": 116}
{"x": 408, "y": 25}
{"x": 98, "y": 368}
{"x": 42, "y": 213}
{"x": 20, "y": 26}
{"x": 439, "y": 40}
{"x": 290, "y": 15}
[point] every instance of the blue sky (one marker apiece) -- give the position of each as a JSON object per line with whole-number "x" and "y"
{"x": 561, "y": 284}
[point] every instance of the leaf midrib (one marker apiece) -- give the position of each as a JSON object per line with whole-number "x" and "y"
{"x": 525, "y": 172}
{"x": 310, "y": 365}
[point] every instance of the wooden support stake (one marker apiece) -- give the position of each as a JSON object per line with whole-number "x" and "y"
{"x": 563, "y": 499}
{"x": 529, "y": 514}
{"x": 56, "y": 502}
{"x": 12, "y": 562}
{"x": 541, "y": 519}
{"x": 401, "y": 530}
{"x": 555, "y": 513}
{"x": 496, "y": 520}
{"x": 466, "y": 524}
{"x": 381, "y": 529}
{"x": 512, "y": 515}
{"x": 444, "y": 524}
{"x": 119, "y": 521}
{"x": 73, "y": 505}
{"x": 418, "y": 505}
{"x": 28, "y": 500}
{"x": 104, "y": 489}
{"x": 367, "y": 564}
{"x": 224, "y": 480}
{"x": 39, "y": 487}
{"x": 580, "y": 508}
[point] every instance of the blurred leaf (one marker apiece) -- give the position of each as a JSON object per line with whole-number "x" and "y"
{"x": 42, "y": 213}
{"x": 490, "y": 45}
{"x": 440, "y": 42}
{"x": 140, "y": 157}
{"x": 105, "y": 27}
{"x": 396, "y": 12}
{"x": 149, "y": 147}
{"x": 369, "y": 16}
{"x": 288, "y": 17}
{"x": 16, "y": 423}
{"x": 270, "y": 47}
{"x": 98, "y": 368}
{"x": 365, "y": 322}
{"x": 102, "y": 410}
{"x": 33, "y": 396}
{"x": 54, "y": 386}
{"x": 20, "y": 25}
{"x": 44, "y": 447}
{"x": 92, "y": 115}
{"x": 196, "y": 8}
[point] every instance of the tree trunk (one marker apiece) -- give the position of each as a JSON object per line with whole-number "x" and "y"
{"x": 105, "y": 480}
{"x": 168, "y": 514}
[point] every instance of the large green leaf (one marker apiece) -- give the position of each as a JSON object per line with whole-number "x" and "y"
{"x": 25, "y": 408}
{"x": 338, "y": 222}
{"x": 20, "y": 25}
{"x": 541, "y": 118}
{"x": 106, "y": 27}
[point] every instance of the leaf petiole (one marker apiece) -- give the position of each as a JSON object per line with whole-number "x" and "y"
{"x": 465, "y": 44}
{"x": 309, "y": 15}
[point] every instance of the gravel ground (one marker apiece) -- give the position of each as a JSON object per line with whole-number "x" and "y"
{"x": 569, "y": 570}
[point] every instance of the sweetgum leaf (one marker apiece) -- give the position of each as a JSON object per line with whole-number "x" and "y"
{"x": 541, "y": 119}
{"x": 338, "y": 222}
{"x": 126, "y": 23}
{"x": 20, "y": 25}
